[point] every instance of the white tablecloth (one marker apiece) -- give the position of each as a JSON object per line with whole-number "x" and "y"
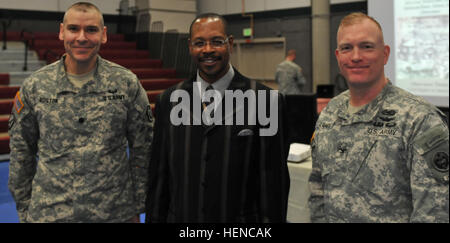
{"x": 298, "y": 211}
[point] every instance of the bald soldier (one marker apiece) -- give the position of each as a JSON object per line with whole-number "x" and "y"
{"x": 70, "y": 126}
{"x": 380, "y": 154}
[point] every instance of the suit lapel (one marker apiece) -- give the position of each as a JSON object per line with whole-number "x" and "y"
{"x": 189, "y": 87}
{"x": 239, "y": 82}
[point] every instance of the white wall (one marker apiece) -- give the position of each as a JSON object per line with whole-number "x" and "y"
{"x": 105, "y": 6}
{"x": 235, "y": 6}
{"x": 175, "y": 14}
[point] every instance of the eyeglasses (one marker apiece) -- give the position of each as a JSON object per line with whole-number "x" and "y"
{"x": 215, "y": 43}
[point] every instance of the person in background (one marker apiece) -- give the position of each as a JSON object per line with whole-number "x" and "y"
{"x": 215, "y": 173}
{"x": 340, "y": 85}
{"x": 379, "y": 153}
{"x": 70, "y": 127}
{"x": 289, "y": 75}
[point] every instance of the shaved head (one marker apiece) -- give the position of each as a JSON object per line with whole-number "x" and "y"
{"x": 84, "y": 7}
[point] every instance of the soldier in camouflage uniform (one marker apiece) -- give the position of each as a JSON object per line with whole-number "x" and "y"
{"x": 380, "y": 154}
{"x": 69, "y": 140}
{"x": 289, "y": 75}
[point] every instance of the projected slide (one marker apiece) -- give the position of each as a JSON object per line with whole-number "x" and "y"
{"x": 422, "y": 46}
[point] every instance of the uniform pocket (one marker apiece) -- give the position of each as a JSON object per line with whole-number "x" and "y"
{"x": 332, "y": 179}
{"x": 378, "y": 175}
{"x": 56, "y": 124}
{"x": 108, "y": 119}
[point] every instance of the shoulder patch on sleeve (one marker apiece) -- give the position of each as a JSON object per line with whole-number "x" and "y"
{"x": 18, "y": 104}
{"x": 433, "y": 145}
{"x": 440, "y": 161}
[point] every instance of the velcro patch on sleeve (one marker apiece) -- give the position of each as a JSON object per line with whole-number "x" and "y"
{"x": 18, "y": 104}
{"x": 438, "y": 161}
{"x": 433, "y": 145}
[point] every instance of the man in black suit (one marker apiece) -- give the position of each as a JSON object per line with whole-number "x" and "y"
{"x": 221, "y": 171}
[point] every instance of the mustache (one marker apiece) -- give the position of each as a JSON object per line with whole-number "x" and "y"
{"x": 209, "y": 56}
{"x": 81, "y": 46}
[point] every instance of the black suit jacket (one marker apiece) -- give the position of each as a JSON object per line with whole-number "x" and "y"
{"x": 204, "y": 173}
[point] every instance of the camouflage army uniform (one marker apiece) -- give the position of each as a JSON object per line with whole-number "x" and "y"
{"x": 80, "y": 136}
{"x": 289, "y": 78}
{"x": 386, "y": 163}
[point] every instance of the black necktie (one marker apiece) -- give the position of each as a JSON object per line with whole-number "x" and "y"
{"x": 205, "y": 103}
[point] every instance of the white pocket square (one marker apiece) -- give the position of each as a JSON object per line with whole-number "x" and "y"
{"x": 245, "y": 132}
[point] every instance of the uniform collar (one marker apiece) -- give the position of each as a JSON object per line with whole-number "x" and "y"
{"x": 368, "y": 112}
{"x": 99, "y": 84}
